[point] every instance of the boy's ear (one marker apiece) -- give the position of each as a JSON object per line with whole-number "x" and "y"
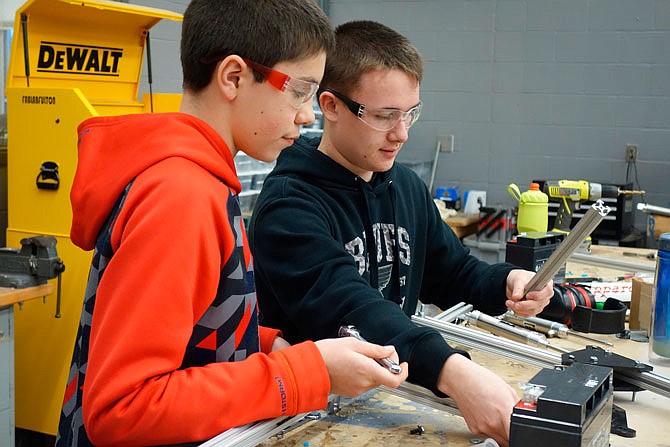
{"x": 329, "y": 107}
{"x": 229, "y": 74}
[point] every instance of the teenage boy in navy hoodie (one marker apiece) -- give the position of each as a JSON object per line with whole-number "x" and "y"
{"x": 169, "y": 349}
{"x": 342, "y": 234}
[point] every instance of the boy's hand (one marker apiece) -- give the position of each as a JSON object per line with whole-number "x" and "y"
{"x": 352, "y": 367}
{"x": 483, "y": 398}
{"x": 534, "y": 302}
{"x": 279, "y": 343}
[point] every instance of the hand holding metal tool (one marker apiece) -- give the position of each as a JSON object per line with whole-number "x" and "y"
{"x": 582, "y": 230}
{"x": 548, "y": 327}
{"x": 351, "y": 331}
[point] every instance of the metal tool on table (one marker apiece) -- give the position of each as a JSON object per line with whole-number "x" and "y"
{"x": 572, "y": 192}
{"x": 508, "y": 330}
{"x": 650, "y": 256}
{"x": 351, "y": 331}
{"x": 548, "y": 327}
{"x": 31, "y": 265}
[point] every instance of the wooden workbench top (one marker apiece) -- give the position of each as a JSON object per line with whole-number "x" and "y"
{"x": 9, "y": 296}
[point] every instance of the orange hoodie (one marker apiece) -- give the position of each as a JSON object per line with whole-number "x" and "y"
{"x": 173, "y": 240}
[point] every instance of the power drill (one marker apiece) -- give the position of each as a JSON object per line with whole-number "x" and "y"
{"x": 571, "y": 193}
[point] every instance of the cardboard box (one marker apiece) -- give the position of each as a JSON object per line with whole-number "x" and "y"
{"x": 657, "y": 224}
{"x": 640, "y": 305}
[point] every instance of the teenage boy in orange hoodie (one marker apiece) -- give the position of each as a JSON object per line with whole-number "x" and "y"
{"x": 169, "y": 349}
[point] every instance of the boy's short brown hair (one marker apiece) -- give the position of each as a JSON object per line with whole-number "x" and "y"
{"x": 363, "y": 46}
{"x": 265, "y": 31}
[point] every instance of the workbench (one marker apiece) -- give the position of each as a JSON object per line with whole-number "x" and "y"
{"x": 462, "y": 224}
{"x": 379, "y": 419}
{"x": 8, "y": 298}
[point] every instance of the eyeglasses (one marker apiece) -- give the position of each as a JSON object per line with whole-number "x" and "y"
{"x": 301, "y": 91}
{"x": 380, "y": 119}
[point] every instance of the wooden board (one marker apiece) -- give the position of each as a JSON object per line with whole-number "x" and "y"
{"x": 462, "y": 224}
{"x": 9, "y": 296}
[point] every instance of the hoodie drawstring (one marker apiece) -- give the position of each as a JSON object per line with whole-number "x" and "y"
{"x": 370, "y": 244}
{"x": 395, "y": 273}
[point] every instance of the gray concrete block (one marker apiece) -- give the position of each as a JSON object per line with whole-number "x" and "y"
{"x": 479, "y": 16}
{"x": 621, "y": 14}
{"x": 553, "y": 78}
{"x": 508, "y": 77}
{"x": 609, "y": 79}
{"x": 583, "y": 110}
{"x": 558, "y": 15}
{"x": 536, "y": 109}
{"x": 510, "y": 16}
{"x": 660, "y": 80}
{"x": 506, "y": 108}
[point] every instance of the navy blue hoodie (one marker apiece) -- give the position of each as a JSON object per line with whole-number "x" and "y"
{"x": 332, "y": 249}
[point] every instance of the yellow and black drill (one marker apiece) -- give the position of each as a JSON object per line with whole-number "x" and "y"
{"x": 572, "y": 192}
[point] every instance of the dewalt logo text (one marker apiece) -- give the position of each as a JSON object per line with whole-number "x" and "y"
{"x": 58, "y": 57}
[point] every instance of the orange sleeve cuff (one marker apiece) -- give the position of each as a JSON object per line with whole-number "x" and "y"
{"x": 267, "y": 337}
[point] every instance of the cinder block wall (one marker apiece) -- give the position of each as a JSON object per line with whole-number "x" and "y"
{"x": 530, "y": 88}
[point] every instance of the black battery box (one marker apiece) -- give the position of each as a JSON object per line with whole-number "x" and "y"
{"x": 565, "y": 407}
{"x": 532, "y": 249}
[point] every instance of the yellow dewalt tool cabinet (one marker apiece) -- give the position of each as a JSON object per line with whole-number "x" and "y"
{"x": 70, "y": 60}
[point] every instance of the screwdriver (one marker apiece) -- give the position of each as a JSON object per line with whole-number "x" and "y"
{"x": 551, "y": 328}
{"x": 508, "y": 330}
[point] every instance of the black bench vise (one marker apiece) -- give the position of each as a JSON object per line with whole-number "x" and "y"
{"x": 31, "y": 265}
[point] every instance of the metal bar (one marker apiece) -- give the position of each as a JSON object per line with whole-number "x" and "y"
{"x": 252, "y": 434}
{"x": 454, "y": 312}
{"x": 472, "y": 338}
{"x": 601, "y": 261}
{"x": 423, "y": 396}
{"x": 509, "y": 330}
{"x": 653, "y": 209}
{"x": 577, "y": 235}
{"x": 483, "y": 341}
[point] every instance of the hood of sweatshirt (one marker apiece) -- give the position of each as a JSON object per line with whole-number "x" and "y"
{"x": 303, "y": 160}
{"x": 112, "y": 151}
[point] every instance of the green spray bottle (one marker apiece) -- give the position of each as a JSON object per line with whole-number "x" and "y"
{"x": 533, "y": 208}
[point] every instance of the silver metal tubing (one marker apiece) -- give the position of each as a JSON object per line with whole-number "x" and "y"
{"x": 601, "y": 261}
{"x": 653, "y": 209}
{"x": 533, "y": 356}
{"x": 651, "y": 381}
{"x": 454, "y": 312}
{"x": 250, "y": 435}
{"x": 476, "y": 339}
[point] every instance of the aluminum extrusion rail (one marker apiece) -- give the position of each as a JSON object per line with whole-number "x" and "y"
{"x": 421, "y": 395}
{"x": 533, "y": 356}
{"x": 601, "y": 261}
{"x": 250, "y": 435}
{"x": 577, "y": 235}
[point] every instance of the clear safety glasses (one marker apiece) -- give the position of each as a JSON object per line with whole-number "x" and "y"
{"x": 380, "y": 119}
